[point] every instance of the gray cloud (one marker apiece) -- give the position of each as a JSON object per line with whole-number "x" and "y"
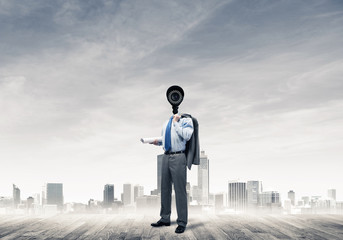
{"x": 82, "y": 81}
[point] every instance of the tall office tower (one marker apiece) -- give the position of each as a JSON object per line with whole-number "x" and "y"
{"x": 138, "y": 191}
{"x": 291, "y": 196}
{"x": 287, "y": 205}
{"x": 54, "y": 194}
{"x": 219, "y": 200}
{"x": 203, "y": 178}
{"x": 159, "y": 172}
{"x": 254, "y": 189}
{"x": 188, "y": 191}
{"x": 16, "y": 195}
{"x": 108, "y": 195}
{"x": 195, "y": 194}
{"x": 127, "y": 194}
{"x": 332, "y": 194}
{"x": 154, "y": 192}
{"x": 306, "y": 200}
{"x": 43, "y": 195}
{"x": 237, "y": 195}
{"x": 36, "y": 197}
{"x": 29, "y": 202}
{"x": 271, "y": 198}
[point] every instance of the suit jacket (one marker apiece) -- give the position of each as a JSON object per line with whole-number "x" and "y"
{"x": 193, "y": 146}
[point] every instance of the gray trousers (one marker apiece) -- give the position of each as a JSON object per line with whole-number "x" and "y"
{"x": 174, "y": 169}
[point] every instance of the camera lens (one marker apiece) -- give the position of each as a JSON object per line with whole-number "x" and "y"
{"x": 175, "y": 96}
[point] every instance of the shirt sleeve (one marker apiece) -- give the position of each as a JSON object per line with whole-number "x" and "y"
{"x": 160, "y": 143}
{"x": 184, "y": 128}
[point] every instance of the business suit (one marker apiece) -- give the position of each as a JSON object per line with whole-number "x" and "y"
{"x": 174, "y": 170}
{"x": 193, "y": 145}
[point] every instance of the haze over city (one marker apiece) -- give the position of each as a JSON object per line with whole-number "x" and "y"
{"x": 81, "y": 82}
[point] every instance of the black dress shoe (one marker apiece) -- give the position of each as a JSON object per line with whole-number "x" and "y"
{"x": 160, "y": 224}
{"x": 180, "y": 229}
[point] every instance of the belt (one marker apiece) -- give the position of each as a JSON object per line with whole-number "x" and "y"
{"x": 169, "y": 153}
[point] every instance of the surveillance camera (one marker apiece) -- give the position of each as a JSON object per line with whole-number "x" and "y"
{"x": 175, "y": 96}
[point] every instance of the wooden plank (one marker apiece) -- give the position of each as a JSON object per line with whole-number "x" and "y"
{"x": 230, "y": 224}
{"x": 334, "y": 217}
{"x": 137, "y": 226}
{"x": 51, "y": 225}
{"x": 203, "y": 228}
{"x": 118, "y": 229}
{"x": 143, "y": 229}
{"x": 112, "y": 227}
{"x": 329, "y": 226}
{"x": 13, "y": 221}
{"x": 321, "y": 218}
{"x": 286, "y": 226}
{"x": 7, "y": 220}
{"x": 102, "y": 222}
{"x": 17, "y": 229}
{"x": 60, "y": 226}
{"x": 257, "y": 227}
{"x": 307, "y": 225}
{"x": 97, "y": 224}
{"x": 211, "y": 225}
{"x": 199, "y": 231}
{"x": 84, "y": 225}
{"x": 236, "y": 222}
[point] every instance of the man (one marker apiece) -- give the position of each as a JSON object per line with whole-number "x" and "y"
{"x": 175, "y": 134}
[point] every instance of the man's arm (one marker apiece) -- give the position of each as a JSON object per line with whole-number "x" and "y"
{"x": 184, "y": 127}
{"x": 156, "y": 141}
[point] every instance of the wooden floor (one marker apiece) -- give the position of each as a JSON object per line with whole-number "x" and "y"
{"x": 135, "y": 226}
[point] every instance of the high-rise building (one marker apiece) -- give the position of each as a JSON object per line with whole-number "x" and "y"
{"x": 188, "y": 191}
{"x": 287, "y": 205}
{"x": 108, "y": 195}
{"x": 154, "y": 192}
{"x": 159, "y": 172}
{"x": 138, "y": 191}
{"x": 332, "y": 194}
{"x": 54, "y": 194}
{"x": 16, "y": 195}
{"x": 203, "y": 178}
{"x": 195, "y": 194}
{"x": 43, "y": 195}
{"x": 291, "y": 196}
{"x": 211, "y": 199}
{"x": 36, "y": 197}
{"x": 148, "y": 202}
{"x": 306, "y": 200}
{"x": 29, "y": 202}
{"x": 254, "y": 190}
{"x": 271, "y": 198}
{"x": 219, "y": 200}
{"x": 127, "y": 194}
{"x": 237, "y": 195}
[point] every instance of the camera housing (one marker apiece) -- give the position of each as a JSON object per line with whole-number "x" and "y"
{"x": 175, "y": 95}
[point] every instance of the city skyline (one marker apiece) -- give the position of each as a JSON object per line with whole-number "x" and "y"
{"x": 81, "y": 82}
{"x": 200, "y": 188}
{"x": 251, "y": 198}
{"x": 241, "y": 197}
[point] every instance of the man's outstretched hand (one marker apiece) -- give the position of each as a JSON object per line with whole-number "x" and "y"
{"x": 155, "y": 142}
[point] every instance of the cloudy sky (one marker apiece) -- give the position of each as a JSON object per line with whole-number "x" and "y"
{"x": 82, "y": 81}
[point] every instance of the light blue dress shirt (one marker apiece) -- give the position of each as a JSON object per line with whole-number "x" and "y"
{"x": 180, "y": 133}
